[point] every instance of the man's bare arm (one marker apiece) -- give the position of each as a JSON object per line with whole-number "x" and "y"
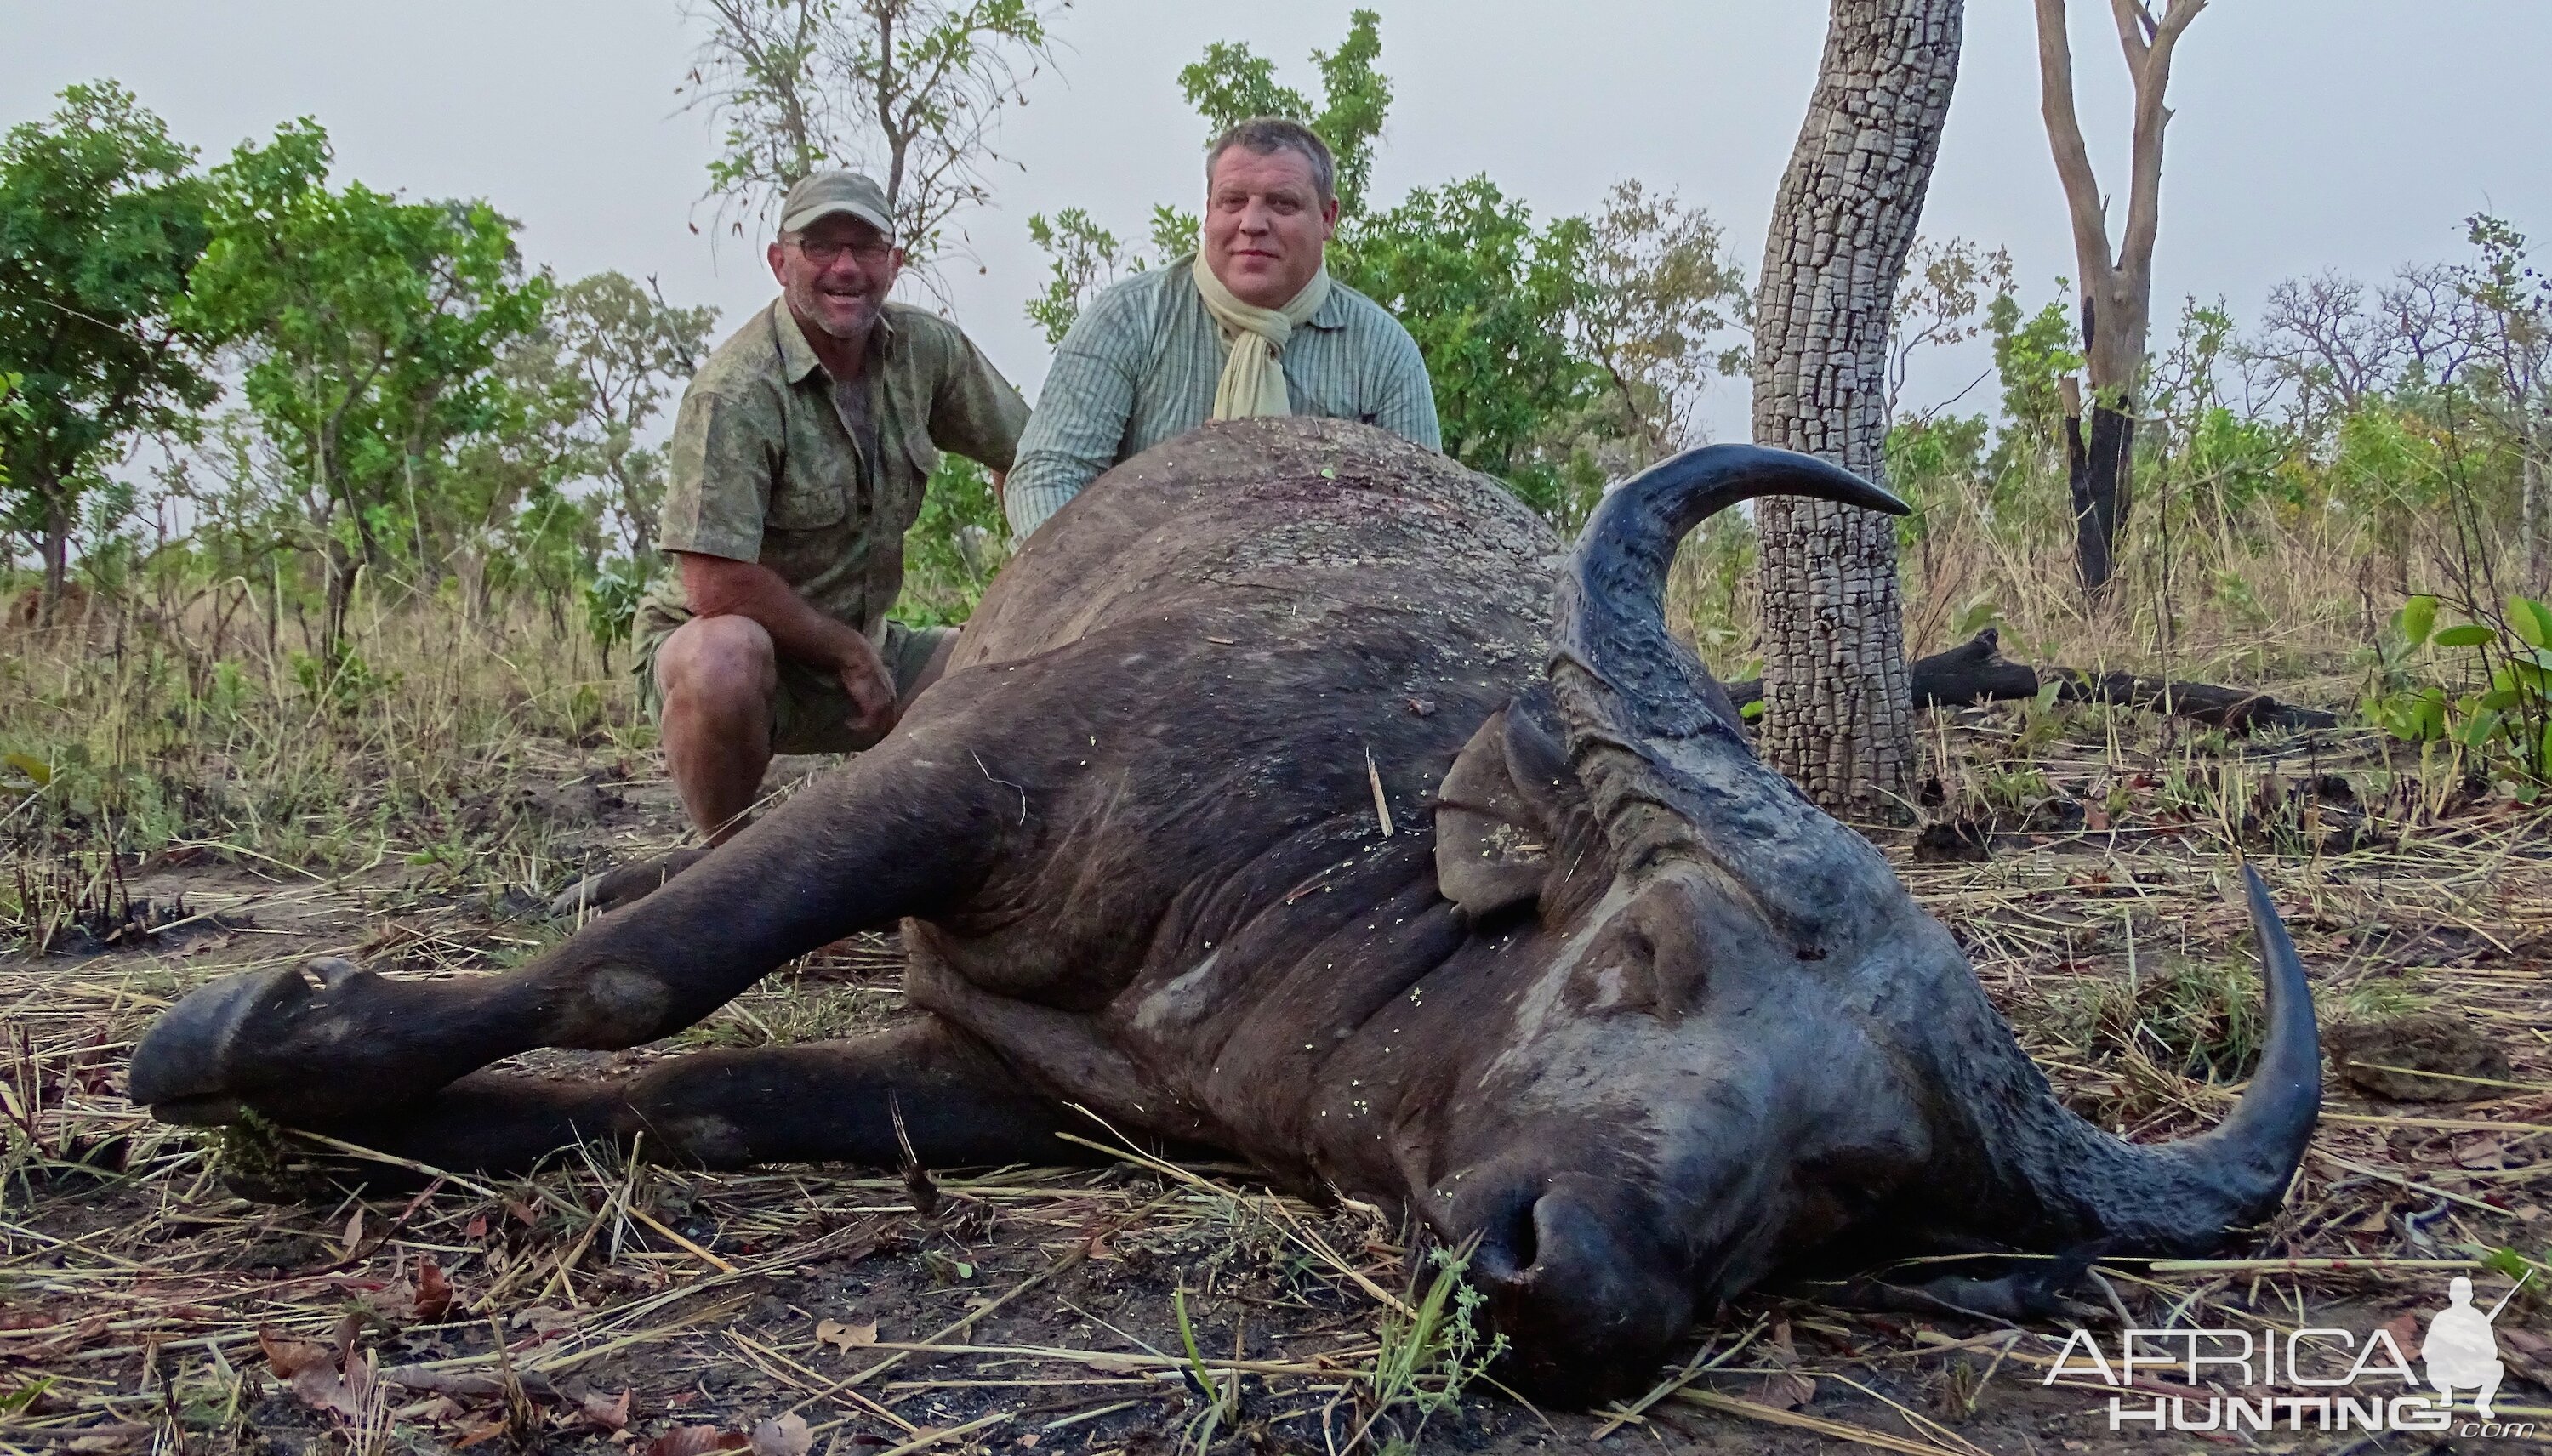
{"x": 716, "y": 586}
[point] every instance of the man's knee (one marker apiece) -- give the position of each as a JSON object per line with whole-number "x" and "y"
{"x": 716, "y": 666}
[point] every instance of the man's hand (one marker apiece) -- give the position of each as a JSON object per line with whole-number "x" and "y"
{"x": 718, "y": 586}
{"x": 871, "y": 686}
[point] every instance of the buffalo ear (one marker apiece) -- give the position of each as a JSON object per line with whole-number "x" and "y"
{"x": 1511, "y": 813}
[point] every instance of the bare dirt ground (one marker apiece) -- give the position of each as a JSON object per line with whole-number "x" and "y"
{"x": 1144, "y": 1308}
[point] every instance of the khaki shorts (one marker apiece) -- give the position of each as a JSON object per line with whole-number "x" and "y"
{"x": 810, "y": 712}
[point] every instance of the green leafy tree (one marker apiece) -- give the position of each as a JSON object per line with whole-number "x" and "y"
{"x": 373, "y": 328}
{"x": 1653, "y": 292}
{"x": 2032, "y": 353}
{"x": 624, "y": 351}
{"x": 2509, "y": 313}
{"x": 1487, "y": 296}
{"x": 1081, "y": 258}
{"x": 1231, "y": 85}
{"x": 101, "y": 219}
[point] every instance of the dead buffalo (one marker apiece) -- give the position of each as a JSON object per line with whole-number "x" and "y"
{"x": 1277, "y": 804}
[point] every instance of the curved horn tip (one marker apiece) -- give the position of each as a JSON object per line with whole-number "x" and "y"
{"x": 2257, "y": 889}
{"x": 1841, "y": 484}
{"x": 2264, "y": 911}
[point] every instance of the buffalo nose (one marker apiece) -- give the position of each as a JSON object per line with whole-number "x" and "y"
{"x": 1576, "y": 1277}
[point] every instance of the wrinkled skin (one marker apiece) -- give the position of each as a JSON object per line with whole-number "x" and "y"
{"x": 1610, "y": 996}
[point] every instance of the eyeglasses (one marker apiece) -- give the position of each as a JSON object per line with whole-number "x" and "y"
{"x": 825, "y": 254}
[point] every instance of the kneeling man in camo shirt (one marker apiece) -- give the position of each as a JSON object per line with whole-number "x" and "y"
{"x": 1251, "y": 323}
{"x": 798, "y": 463}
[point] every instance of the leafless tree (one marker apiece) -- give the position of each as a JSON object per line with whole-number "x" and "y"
{"x": 2117, "y": 289}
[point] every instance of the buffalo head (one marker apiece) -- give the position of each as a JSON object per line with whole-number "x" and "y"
{"x": 1730, "y": 1036}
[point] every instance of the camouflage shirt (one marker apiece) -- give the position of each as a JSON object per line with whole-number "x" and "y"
{"x": 764, "y": 465}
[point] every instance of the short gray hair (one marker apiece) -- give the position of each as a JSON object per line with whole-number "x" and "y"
{"x": 1269, "y": 134}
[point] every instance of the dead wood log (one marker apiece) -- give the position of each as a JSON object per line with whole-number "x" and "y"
{"x": 1975, "y": 671}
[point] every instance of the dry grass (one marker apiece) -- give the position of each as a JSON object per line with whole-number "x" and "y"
{"x": 2263, "y": 597}
{"x": 143, "y": 1308}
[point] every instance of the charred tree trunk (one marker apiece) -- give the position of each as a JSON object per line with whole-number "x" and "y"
{"x": 1839, "y": 717}
{"x": 2099, "y": 475}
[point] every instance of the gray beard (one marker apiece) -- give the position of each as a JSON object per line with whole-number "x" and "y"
{"x": 853, "y": 334}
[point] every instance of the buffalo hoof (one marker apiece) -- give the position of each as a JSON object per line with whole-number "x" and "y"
{"x": 622, "y": 885}
{"x": 198, "y": 1065}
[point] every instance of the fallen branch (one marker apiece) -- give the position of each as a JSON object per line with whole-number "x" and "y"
{"x": 1976, "y": 671}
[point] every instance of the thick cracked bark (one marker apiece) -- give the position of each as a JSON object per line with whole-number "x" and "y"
{"x": 1838, "y": 716}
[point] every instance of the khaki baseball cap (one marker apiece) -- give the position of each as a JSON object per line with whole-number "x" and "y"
{"x": 821, "y": 195}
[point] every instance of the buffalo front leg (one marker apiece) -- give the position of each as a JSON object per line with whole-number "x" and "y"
{"x": 829, "y": 1102}
{"x": 884, "y": 838}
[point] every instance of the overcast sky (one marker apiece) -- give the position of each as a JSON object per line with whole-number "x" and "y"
{"x": 2309, "y": 135}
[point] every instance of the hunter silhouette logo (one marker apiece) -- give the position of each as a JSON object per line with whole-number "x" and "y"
{"x": 2462, "y": 1348}
{"x": 2309, "y": 1379}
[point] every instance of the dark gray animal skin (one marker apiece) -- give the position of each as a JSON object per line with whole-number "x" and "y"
{"x": 1610, "y": 996}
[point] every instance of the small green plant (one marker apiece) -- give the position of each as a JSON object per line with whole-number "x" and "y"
{"x": 341, "y": 680}
{"x": 1428, "y": 1355}
{"x": 1222, "y": 1398}
{"x": 23, "y": 1398}
{"x": 1981, "y": 613}
{"x": 2499, "y": 712}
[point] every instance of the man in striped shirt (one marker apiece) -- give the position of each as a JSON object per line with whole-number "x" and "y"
{"x": 1251, "y": 323}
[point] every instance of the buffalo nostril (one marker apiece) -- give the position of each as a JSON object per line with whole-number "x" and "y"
{"x": 1594, "y": 1297}
{"x": 1509, "y": 1245}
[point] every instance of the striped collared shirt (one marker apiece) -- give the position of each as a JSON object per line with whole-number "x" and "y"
{"x": 1141, "y": 363}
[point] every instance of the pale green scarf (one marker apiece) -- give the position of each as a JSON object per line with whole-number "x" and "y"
{"x": 1253, "y": 382}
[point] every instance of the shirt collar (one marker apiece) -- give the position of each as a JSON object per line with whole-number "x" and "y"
{"x": 1333, "y": 312}
{"x": 798, "y": 357}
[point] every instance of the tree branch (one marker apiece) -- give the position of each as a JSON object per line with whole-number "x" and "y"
{"x": 2073, "y": 158}
{"x": 2144, "y": 192}
{"x": 2135, "y": 23}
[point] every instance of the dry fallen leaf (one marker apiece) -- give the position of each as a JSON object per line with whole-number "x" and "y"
{"x": 697, "y": 1440}
{"x": 433, "y": 1290}
{"x": 321, "y": 1387}
{"x": 605, "y": 1414}
{"x": 2404, "y": 1330}
{"x": 354, "y": 1230}
{"x": 288, "y": 1357}
{"x": 845, "y": 1337}
{"x": 785, "y": 1436}
{"x": 1786, "y": 1390}
{"x": 543, "y": 1320}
